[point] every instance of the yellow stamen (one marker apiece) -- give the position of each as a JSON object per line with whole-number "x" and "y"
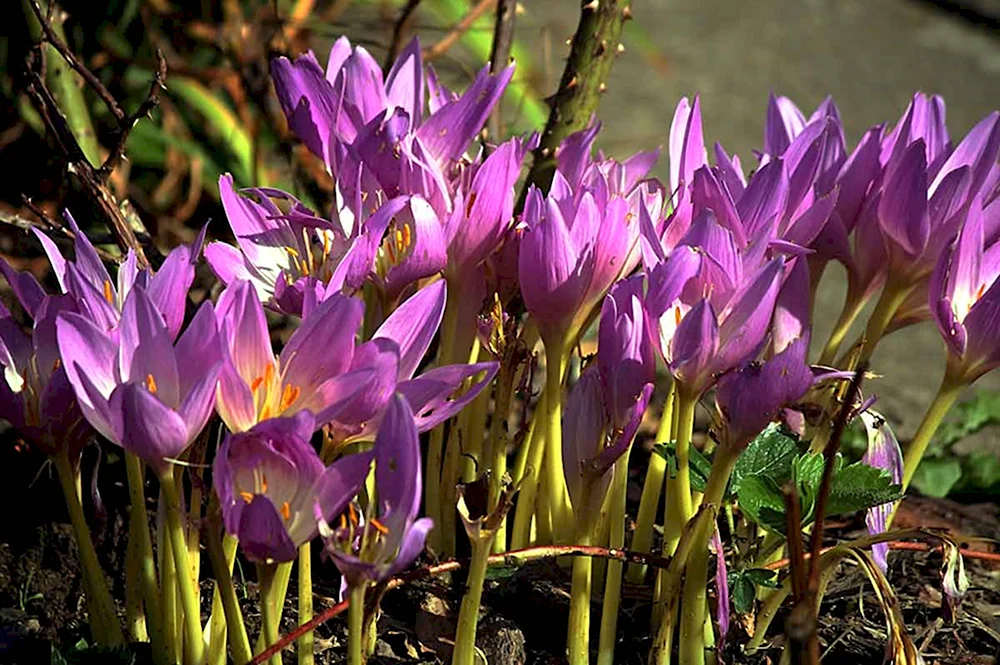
{"x": 246, "y": 496}
{"x": 343, "y": 521}
{"x": 107, "y": 292}
{"x": 151, "y": 383}
{"x": 292, "y": 252}
{"x": 255, "y": 384}
{"x": 286, "y": 511}
{"x": 352, "y": 514}
{"x": 381, "y": 528}
{"x": 263, "y": 484}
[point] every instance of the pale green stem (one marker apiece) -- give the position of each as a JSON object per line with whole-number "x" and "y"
{"x": 613, "y": 583}
{"x": 468, "y": 615}
{"x": 946, "y": 396}
{"x": 498, "y": 452}
{"x": 680, "y": 491}
{"x": 852, "y": 308}
{"x": 652, "y": 488}
{"x": 449, "y": 481}
{"x": 305, "y": 645}
{"x": 139, "y": 528}
{"x": 172, "y": 636}
{"x": 282, "y": 576}
{"x": 528, "y": 494}
{"x": 223, "y": 555}
{"x": 696, "y": 530}
{"x": 888, "y": 304}
{"x": 578, "y": 634}
{"x": 524, "y": 452}
{"x": 356, "y": 626}
{"x": 557, "y": 497}
{"x": 694, "y": 599}
{"x": 435, "y": 447}
{"x": 135, "y": 615}
{"x": 194, "y": 645}
{"x": 266, "y": 574}
{"x": 101, "y": 608}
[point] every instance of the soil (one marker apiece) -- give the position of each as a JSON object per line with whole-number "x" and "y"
{"x": 524, "y": 610}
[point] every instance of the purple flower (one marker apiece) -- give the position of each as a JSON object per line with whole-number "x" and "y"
{"x": 97, "y": 296}
{"x": 35, "y": 394}
{"x": 625, "y": 359}
{"x": 965, "y": 297}
{"x": 271, "y": 484}
{"x": 883, "y": 453}
{"x": 376, "y": 546}
{"x": 752, "y": 396}
{"x": 312, "y": 372}
{"x": 139, "y": 389}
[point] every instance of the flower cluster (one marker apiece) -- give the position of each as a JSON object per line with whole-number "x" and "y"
{"x": 710, "y": 275}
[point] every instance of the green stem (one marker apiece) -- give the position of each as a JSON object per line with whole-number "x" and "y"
{"x": 697, "y": 529}
{"x": 613, "y": 583}
{"x": 527, "y": 496}
{"x": 305, "y": 645}
{"x": 852, "y": 308}
{"x": 888, "y": 304}
{"x": 282, "y": 576}
{"x": 101, "y": 608}
{"x": 578, "y": 635}
{"x": 468, "y": 616}
{"x": 135, "y": 614}
{"x": 356, "y": 626}
{"x": 194, "y": 645}
{"x": 223, "y": 554}
{"x": 681, "y": 494}
{"x": 946, "y": 396}
{"x": 266, "y": 573}
{"x": 498, "y": 450}
{"x": 139, "y": 528}
{"x": 172, "y": 637}
{"x": 435, "y": 447}
{"x": 694, "y": 600}
{"x": 557, "y": 495}
{"x": 642, "y": 539}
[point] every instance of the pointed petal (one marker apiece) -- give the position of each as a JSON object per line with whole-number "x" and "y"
{"x": 323, "y": 345}
{"x": 902, "y": 212}
{"x": 25, "y": 287}
{"x": 413, "y": 324}
{"x": 149, "y": 428}
{"x": 404, "y": 86}
{"x": 169, "y": 287}
{"x": 262, "y": 533}
{"x": 430, "y": 394}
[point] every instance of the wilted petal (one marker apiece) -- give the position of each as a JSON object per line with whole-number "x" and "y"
{"x": 883, "y": 453}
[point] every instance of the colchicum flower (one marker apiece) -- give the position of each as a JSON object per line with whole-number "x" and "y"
{"x": 271, "y": 484}
{"x": 138, "y": 388}
{"x": 883, "y": 452}
{"x": 312, "y": 373}
{"x": 374, "y": 547}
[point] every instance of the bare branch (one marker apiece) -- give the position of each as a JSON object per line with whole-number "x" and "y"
{"x": 126, "y": 125}
{"x": 399, "y": 30}
{"x": 503, "y": 39}
{"x": 445, "y": 43}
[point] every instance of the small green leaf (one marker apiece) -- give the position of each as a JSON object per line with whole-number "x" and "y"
{"x": 770, "y": 454}
{"x": 762, "y": 501}
{"x": 936, "y": 477}
{"x": 859, "y": 487}
{"x": 699, "y": 465}
{"x": 763, "y": 577}
{"x": 741, "y": 592}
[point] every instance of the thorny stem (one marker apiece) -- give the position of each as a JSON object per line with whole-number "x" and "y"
{"x": 642, "y": 539}
{"x": 194, "y": 646}
{"x": 592, "y": 53}
{"x": 104, "y": 623}
{"x": 305, "y": 646}
{"x": 139, "y": 528}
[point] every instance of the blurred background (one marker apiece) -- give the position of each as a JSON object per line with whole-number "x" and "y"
{"x": 218, "y": 113}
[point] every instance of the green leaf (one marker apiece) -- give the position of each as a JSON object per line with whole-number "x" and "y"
{"x": 770, "y": 454}
{"x": 762, "y": 501}
{"x": 807, "y": 470}
{"x": 699, "y": 465}
{"x": 763, "y": 577}
{"x": 936, "y": 477}
{"x": 741, "y": 591}
{"x": 980, "y": 471}
{"x": 859, "y": 487}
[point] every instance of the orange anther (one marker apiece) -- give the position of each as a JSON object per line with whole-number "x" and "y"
{"x": 381, "y": 528}
{"x": 246, "y": 496}
{"x": 151, "y": 383}
{"x": 286, "y": 511}
{"x": 107, "y": 292}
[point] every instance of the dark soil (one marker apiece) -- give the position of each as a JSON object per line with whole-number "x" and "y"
{"x": 524, "y": 610}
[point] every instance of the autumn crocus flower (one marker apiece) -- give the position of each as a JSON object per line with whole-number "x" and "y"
{"x": 99, "y": 297}
{"x": 271, "y": 482}
{"x": 35, "y": 395}
{"x": 139, "y": 389}
{"x": 372, "y": 547}
{"x": 311, "y": 373}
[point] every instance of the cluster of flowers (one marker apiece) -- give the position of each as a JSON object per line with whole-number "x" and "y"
{"x": 712, "y": 274}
